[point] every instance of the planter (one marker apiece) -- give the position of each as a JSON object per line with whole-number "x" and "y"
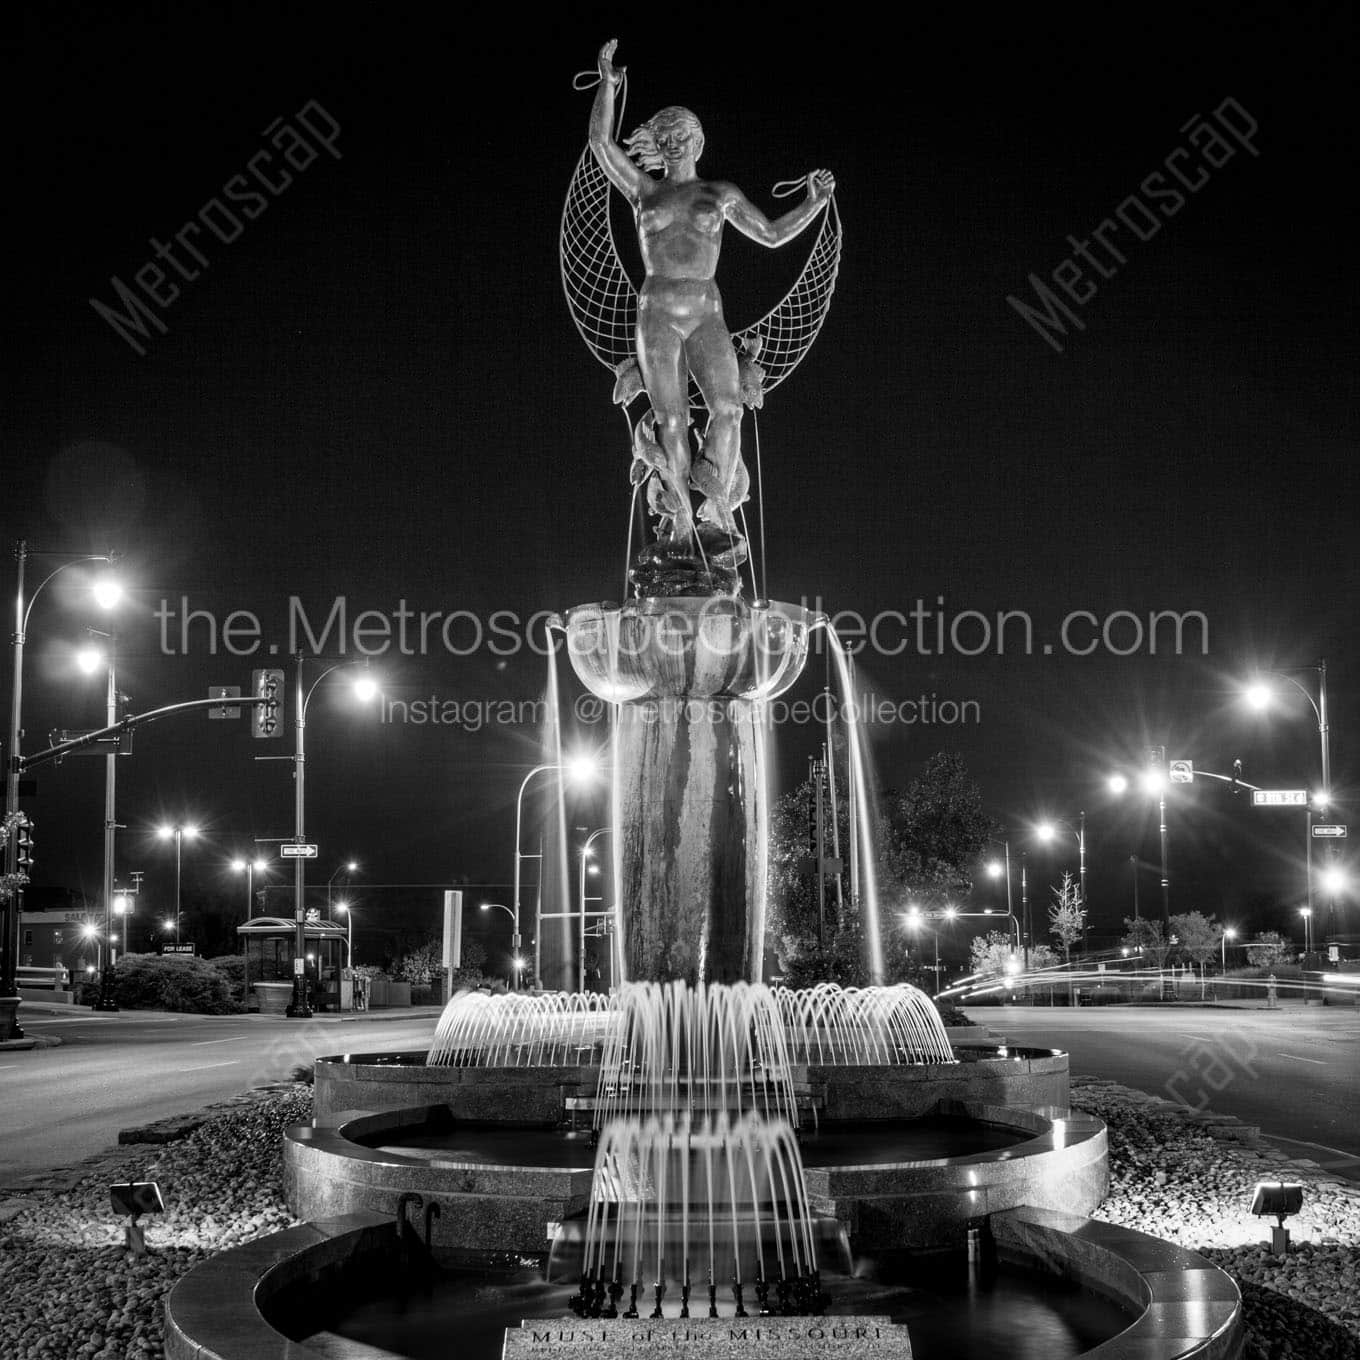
{"x": 273, "y": 997}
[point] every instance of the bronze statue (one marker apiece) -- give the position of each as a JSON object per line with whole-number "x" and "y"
{"x": 680, "y": 325}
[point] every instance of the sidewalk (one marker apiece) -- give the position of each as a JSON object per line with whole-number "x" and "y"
{"x": 85, "y": 1013}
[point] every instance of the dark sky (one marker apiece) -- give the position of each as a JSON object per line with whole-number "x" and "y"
{"x": 376, "y": 392}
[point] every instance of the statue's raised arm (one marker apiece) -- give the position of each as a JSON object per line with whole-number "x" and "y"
{"x": 622, "y": 173}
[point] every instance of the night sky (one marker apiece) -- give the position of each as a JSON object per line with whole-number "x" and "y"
{"x": 376, "y": 392}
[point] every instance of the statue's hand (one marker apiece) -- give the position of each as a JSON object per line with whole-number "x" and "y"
{"x": 821, "y": 184}
{"x": 609, "y": 73}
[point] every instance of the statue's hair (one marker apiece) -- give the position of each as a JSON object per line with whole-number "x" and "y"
{"x": 642, "y": 144}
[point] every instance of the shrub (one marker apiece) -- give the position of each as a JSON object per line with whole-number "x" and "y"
{"x": 171, "y": 982}
{"x": 233, "y": 968}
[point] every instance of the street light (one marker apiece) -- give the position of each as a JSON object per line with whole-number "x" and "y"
{"x": 249, "y": 867}
{"x": 578, "y": 768}
{"x": 1260, "y": 695}
{"x": 179, "y": 832}
{"x": 1047, "y": 832}
{"x": 106, "y": 595}
{"x": 1229, "y": 933}
{"x": 1307, "y": 914}
{"x": 90, "y": 658}
{"x": 1002, "y": 868}
{"x": 1152, "y": 782}
{"x": 516, "y": 962}
{"x": 349, "y": 866}
{"x": 365, "y": 688}
{"x": 349, "y": 932}
{"x": 587, "y": 867}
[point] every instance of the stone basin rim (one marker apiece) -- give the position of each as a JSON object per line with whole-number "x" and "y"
{"x": 217, "y": 1308}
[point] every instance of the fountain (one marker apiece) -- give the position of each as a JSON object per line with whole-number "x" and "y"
{"x": 750, "y": 1154}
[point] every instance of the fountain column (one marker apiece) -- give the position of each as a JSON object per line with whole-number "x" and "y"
{"x": 690, "y": 676}
{"x": 693, "y": 813}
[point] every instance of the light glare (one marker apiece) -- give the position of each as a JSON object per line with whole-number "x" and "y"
{"x": 108, "y": 590}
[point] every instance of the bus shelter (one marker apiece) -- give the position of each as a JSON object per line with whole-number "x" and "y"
{"x": 327, "y": 966}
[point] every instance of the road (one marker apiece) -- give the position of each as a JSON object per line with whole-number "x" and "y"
{"x": 58, "y": 1105}
{"x": 1294, "y": 1072}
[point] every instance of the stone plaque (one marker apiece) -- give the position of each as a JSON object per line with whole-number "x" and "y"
{"x": 770, "y": 1338}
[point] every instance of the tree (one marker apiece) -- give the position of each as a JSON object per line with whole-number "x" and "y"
{"x": 1269, "y": 947}
{"x": 1147, "y": 938}
{"x": 990, "y": 954}
{"x": 1199, "y": 937}
{"x": 1067, "y": 918}
{"x": 935, "y": 832}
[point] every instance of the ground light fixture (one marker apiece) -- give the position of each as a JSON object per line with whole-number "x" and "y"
{"x": 1281, "y": 1199}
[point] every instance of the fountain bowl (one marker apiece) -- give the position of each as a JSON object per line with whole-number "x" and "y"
{"x": 688, "y": 647}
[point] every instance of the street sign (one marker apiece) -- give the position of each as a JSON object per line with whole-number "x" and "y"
{"x": 1279, "y": 797}
{"x": 1182, "y": 772}
{"x": 296, "y": 850}
{"x": 120, "y": 744}
{"x": 225, "y": 692}
{"x": 1329, "y": 831}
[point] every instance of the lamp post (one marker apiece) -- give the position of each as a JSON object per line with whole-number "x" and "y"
{"x": 998, "y": 869}
{"x": 365, "y": 688}
{"x": 586, "y": 867}
{"x": 516, "y": 963}
{"x": 349, "y": 932}
{"x": 1048, "y": 831}
{"x": 107, "y": 594}
{"x": 1307, "y": 914}
{"x": 349, "y": 867}
{"x": 1152, "y": 782}
{"x": 249, "y": 867}
{"x": 1229, "y": 933}
{"x": 577, "y": 768}
{"x": 1259, "y": 696}
{"x": 179, "y": 832}
{"x": 89, "y": 660}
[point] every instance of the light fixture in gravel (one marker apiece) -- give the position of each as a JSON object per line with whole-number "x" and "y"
{"x": 135, "y": 1198}
{"x": 1281, "y": 1199}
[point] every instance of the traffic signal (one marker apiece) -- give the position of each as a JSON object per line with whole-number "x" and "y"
{"x": 266, "y": 720}
{"x": 24, "y": 846}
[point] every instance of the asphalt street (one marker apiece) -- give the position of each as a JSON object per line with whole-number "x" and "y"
{"x": 58, "y": 1105}
{"x": 1295, "y": 1072}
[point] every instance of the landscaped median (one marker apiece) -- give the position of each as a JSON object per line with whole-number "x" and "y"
{"x": 68, "y": 1290}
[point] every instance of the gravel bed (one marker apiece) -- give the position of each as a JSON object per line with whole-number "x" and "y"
{"x": 68, "y": 1290}
{"x": 1189, "y": 1178}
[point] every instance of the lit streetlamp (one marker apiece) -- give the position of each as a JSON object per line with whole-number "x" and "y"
{"x": 1048, "y": 832}
{"x": 1001, "y": 868}
{"x": 349, "y": 932}
{"x": 249, "y": 867}
{"x": 365, "y": 689}
{"x": 1307, "y": 914}
{"x": 1152, "y": 783}
{"x": 1260, "y": 695}
{"x": 578, "y": 769}
{"x": 179, "y": 832}
{"x": 106, "y": 592}
{"x": 1229, "y": 933}
{"x": 516, "y": 962}
{"x": 347, "y": 867}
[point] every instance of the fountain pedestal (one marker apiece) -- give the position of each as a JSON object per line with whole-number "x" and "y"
{"x": 689, "y": 678}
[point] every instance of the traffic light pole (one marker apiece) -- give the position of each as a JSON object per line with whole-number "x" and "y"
{"x": 9, "y": 906}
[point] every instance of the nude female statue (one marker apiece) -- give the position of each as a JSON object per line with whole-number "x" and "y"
{"x": 680, "y": 326}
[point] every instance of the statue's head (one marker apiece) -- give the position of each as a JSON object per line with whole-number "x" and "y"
{"x": 669, "y": 135}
